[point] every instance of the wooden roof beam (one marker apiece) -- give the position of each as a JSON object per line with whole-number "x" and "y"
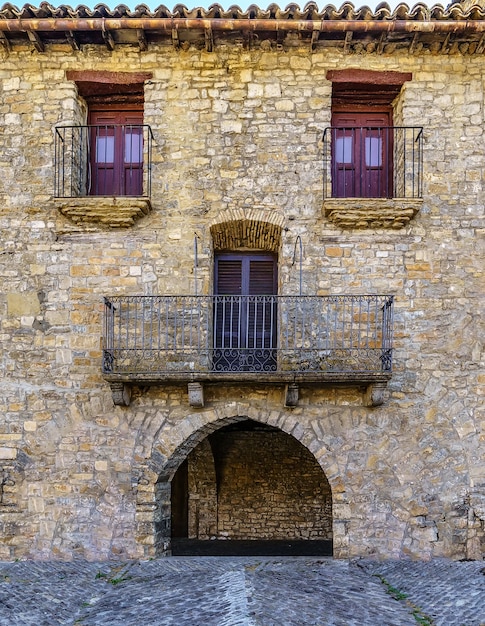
{"x": 72, "y": 39}
{"x": 108, "y": 40}
{"x": 5, "y": 42}
{"x": 381, "y": 44}
{"x": 456, "y": 27}
{"x": 175, "y": 38}
{"x": 142, "y": 40}
{"x": 413, "y": 43}
{"x": 481, "y": 45}
{"x": 209, "y": 39}
{"x": 315, "y": 37}
{"x": 36, "y": 41}
{"x": 348, "y": 38}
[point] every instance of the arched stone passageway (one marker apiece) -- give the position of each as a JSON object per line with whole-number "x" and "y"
{"x": 249, "y": 482}
{"x": 293, "y": 492}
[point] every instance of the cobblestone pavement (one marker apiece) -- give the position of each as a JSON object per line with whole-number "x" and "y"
{"x": 243, "y": 591}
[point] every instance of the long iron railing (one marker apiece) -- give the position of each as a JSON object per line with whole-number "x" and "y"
{"x": 174, "y": 335}
{"x": 373, "y": 162}
{"x": 106, "y": 160}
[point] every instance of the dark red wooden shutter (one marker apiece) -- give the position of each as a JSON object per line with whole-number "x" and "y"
{"x": 262, "y": 277}
{"x": 228, "y": 277}
{"x": 362, "y": 154}
{"x": 116, "y": 139}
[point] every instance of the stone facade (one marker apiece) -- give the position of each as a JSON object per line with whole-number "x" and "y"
{"x": 238, "y": 143}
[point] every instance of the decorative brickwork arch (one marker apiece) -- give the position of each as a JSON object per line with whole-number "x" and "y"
{"x": 252, "y": 228}
{"x": 153, "y": 507}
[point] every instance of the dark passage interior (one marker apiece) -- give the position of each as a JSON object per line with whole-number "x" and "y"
{"x": 251, "y": 489}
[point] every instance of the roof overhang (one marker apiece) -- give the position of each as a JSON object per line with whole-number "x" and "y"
{"x": 449, "y": 30}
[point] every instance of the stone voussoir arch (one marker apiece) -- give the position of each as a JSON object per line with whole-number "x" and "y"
{"x": 153, "y": 494}
{"x": 254, "y": 227}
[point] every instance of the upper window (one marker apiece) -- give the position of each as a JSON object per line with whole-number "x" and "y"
{"x": 116, "y": 152}
{"x": 111, "y": 154}
{"x": 366, "y": 155}
{"x": 362, "y": 154}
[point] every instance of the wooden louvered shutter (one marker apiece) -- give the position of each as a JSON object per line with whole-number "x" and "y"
{"x": 244, "y": 319}
{"x": 261, "y": 312}
{"x": 228, "y": 310}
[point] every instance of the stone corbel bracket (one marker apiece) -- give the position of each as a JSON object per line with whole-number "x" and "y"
{"x": 121, "y": 393}
{"x": 196, "y": 394}
{"x": 291, "y": 395}
{"x": 394, "y": 213}
{"x": 375, "y": 394}
{"x": 111, "y": 212}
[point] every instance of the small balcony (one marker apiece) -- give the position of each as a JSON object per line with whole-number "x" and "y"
{"x": 341, "y": 339}
{"x": 103, "y": 173}
{"x": 372, "y": 176}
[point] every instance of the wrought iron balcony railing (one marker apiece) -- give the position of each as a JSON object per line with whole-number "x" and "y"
{"x": 238, "y": 337}
{"x": 373, "y": 162}
{"x": 107, "y": 160}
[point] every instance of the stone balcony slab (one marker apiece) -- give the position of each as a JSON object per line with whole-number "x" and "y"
{"x": 113, "y": 212}
{"x": 392, "y": 213}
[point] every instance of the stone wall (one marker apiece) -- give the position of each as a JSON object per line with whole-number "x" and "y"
{"x": 238, "y": 131}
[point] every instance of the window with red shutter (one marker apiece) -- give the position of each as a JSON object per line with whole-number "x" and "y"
{"x": 362, "y": 155}
{"x": 116, "y": 152}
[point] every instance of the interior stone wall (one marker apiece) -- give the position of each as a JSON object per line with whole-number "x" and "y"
{"x": 256, "y": 484}
{"x": 270, "y": 487}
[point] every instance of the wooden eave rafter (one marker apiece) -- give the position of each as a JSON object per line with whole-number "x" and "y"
{"x": 315, "y": 38}
{"x": 209, "y": 39}
{"x": 36, "y": 41}
{"x": 348, "y": 38}
{"x": 142, "y": 40}
{"x": 445, "y": 46}
{"x": 481, "y": 45}
{"x": 108, "y": 40}
{"x": 413, "y": 43}
{"x": 72, "y": 39}
{"x": 175, "y": 38}
{"x": 5, "y": 42}
{"x": 381, "y": 44}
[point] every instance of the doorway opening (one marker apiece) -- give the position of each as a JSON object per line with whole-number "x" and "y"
{"x": 245, "y": 312}
{"x": 251, "y": 489}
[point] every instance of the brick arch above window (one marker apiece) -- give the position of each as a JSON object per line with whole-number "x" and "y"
{"x": 257, "y": 229}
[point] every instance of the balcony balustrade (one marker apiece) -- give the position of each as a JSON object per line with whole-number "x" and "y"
{"x": 373, "y": 162}
{"x": 105, "y": 160}
{"x": 372, "y": 176}
{"x": 341, "y": 338}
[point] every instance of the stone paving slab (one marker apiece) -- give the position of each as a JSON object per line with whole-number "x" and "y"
{"x": 450, "y": 593}
{"x": 243, "y": 591}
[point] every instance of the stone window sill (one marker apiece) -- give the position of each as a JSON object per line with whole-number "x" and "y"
{"x": 113, "y": 212}
{"x": 392, "y": 213}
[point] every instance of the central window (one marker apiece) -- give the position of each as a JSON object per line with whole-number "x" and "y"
{"x": 245, "y": 312}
